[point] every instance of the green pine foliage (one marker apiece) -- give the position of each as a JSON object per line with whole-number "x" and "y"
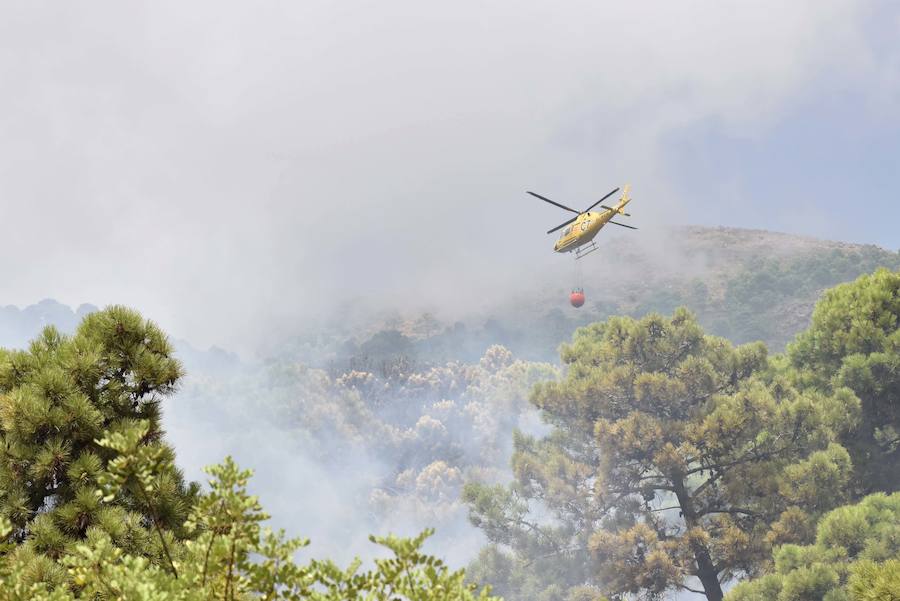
{"x": 872, "y": 581}
{"x": 93, "y": 507}
{"x": 854, "y": 342}
{"x": 62, "y": 402}
{"x": 855, "y": 557}
{"x": 676, "y": 460}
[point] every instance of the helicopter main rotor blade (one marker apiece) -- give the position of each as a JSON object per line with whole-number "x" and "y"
{"x": 601, "y": 200}
{"x": 631, "y": 227}
{"x": 562, "y": 225}
{"x": 553, "y": 202}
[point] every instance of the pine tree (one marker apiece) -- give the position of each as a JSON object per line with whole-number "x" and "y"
{"x": 675, "y": 461}
{"x": 854, "y": 341}
{"x": 92, "y": 506}
{"x": 65, "y": 405}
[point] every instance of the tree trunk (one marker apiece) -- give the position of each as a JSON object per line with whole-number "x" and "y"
{"x": 706, "y": 570}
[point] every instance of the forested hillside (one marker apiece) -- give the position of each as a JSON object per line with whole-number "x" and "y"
{"x": 745, "y": 285}
{"x": 648, "y": 457}
{"x": 678, "y": 461}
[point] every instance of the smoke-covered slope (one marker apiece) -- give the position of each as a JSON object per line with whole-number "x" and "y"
{"x": 373, "y": 423}
{"x": 743, "y": 284}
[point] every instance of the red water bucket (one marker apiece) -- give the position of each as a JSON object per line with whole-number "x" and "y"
{"x": 577, "y": 297}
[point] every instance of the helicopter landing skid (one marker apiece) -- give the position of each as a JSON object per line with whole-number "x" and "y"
{"x": 585, "y": 250}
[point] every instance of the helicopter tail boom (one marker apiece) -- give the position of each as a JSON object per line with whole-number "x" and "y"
{"x": 624, "y": 199}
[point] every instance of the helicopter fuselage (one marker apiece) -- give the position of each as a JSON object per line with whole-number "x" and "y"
{"x": 582, "y": 230}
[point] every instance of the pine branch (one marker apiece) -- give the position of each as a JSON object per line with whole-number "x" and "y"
{"x": 162, "y": 539}
{"x": 692, "y": 590}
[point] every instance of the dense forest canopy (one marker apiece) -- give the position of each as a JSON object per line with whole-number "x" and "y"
{"x": 657, "y": 458}
{"x": 677, "y": 461}
{"x": 92, "y": 507}
{"x": 674, "y": 457}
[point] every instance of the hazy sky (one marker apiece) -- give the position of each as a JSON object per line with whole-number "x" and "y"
{"x": 225, "y": 167}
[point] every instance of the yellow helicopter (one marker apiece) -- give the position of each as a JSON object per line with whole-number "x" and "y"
{"x": 581, "y": 229}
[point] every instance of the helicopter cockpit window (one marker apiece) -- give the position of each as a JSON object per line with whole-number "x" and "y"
{"x": 567, "y": 231}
